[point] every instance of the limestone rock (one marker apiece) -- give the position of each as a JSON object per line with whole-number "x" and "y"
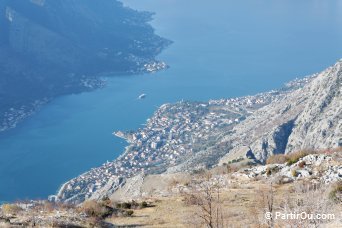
{"x": 309, "y": 117}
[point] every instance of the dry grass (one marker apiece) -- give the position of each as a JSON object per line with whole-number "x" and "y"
{"x": 167, "y": 212}
{"x": 277, "y": 159}
{"x": 11, "y": 209}
{"x": 335, "y": 193}
{"x": 242, "y": 206}
{"x": 94, "y": 209}
{"x": 294, "y": 157}
{"x": 177, "y": 212}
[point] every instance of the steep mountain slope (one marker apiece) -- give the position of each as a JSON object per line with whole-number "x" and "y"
{"x": 319, "y": 125}
{"x": 310, "y": 117}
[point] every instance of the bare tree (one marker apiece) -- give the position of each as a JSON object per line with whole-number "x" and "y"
{"x": 205, "y": 200}
{"x": 268, "y": 205}
{"x": 206, "y": 195}
{"x": 310, "y": 199}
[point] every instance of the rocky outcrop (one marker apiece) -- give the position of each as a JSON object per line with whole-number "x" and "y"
{"x": 107, "y": 190}
{"x": 273, "y": 143}
{"x": 317, "y": 168}
{"x": 87, "y": 190}
{"x": 319, "y": 125}
{"x": 309, "y": 117}
{"x": 132, "y": 188}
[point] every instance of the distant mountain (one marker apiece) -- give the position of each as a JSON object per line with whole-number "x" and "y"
{"x": 54, "y": 47}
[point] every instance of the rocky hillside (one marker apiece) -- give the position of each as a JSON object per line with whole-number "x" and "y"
{"x": 310, "y": 117}
{"x": 55, "y": 47}
{"x": 238, "y": 194}
{"x": 307, "y": 117}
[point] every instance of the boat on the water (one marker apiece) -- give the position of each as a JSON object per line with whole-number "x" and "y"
{"x": 142, "y": 96}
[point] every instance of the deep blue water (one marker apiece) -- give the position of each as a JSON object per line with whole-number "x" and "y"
{"x": 221, "y": 49}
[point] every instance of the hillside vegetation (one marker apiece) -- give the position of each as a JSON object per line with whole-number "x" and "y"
{"x": 219, "y": 197}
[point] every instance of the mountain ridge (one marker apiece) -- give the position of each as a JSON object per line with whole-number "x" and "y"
{"x": 299, "y": 109}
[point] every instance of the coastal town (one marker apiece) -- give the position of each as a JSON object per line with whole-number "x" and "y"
{"x": 13, "y": 116}
{"x": 174, "y": 132}
{"x": 155, "y": 66}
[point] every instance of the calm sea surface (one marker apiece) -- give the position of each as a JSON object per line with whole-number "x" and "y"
{"x": 221, "y": 49}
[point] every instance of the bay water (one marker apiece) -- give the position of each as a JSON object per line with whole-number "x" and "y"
{"x": 221, "y": 49}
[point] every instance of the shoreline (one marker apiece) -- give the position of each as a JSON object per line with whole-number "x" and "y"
{"x": 173, "y": 127}
{"x": 15, "y": 116}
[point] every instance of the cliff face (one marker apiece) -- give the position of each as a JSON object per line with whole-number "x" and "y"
{"x": 319, "y": 125}
{"x": 51, "y": 47}
{"x": 310, "y": 117}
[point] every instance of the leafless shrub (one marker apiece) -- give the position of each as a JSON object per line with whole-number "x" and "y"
{"x": 272, "y": 169}
{"x": 179, "y": 182}
{"x": 234, "y": 167}
{"x": 277, "y": 159}
{"x": 303, "y": 187}
{"x": 301, "y": 164}
{"x": 310, "y": 199}
{"x": 264, "y": 204}
{"x": 11, "y": 209}
{"x": 45, "y": 206}
{"x": 205, "y": 194}
{"x": 335, "y": 192}
{"x": 96, "y": 209}
{"x": 268, "y": 204}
